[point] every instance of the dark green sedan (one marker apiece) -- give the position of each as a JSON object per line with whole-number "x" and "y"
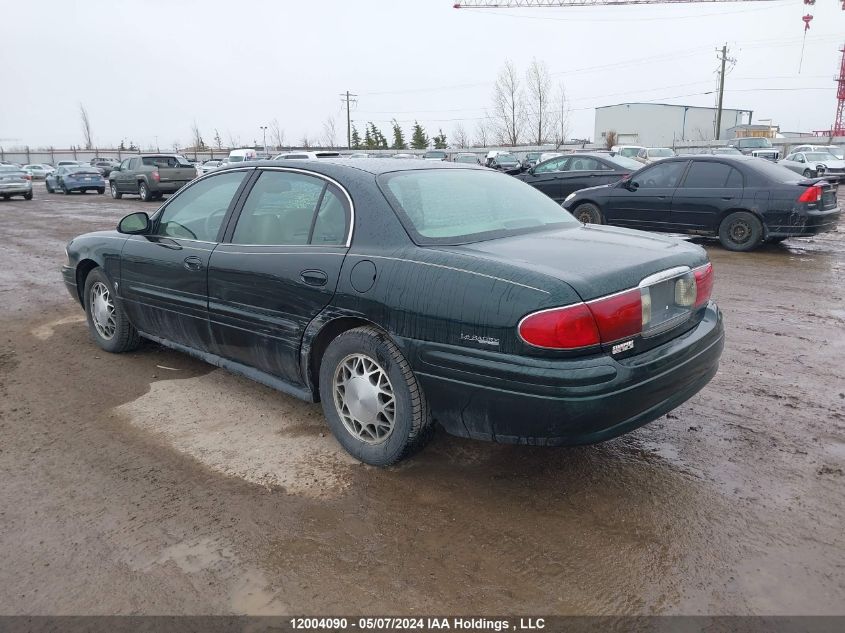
{"x": 402, "y": 294}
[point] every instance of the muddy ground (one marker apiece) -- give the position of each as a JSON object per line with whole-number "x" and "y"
{"x": 153, "y": 483}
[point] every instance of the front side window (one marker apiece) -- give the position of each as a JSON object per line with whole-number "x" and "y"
{"x": 711, "y": 175}
{"x": 125, "y": 164}
{"x": 198, "y": 211}
{"x": 553, "y": 164}
{"x": 460, "y": 206}
{"x": 291, "y": 209}
{"x": 660, "y": 176}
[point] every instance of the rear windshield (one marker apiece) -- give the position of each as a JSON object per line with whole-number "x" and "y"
{"x": 83, "y": 170}
{"x": 9, "y": 168}
{"x": 236, "y": 159}
{"x": 459, "y": 206}
{"x": 435, "y": 155}
{"x": 624, "y": 162}
{"x": 775, "y": 172}
{"x": 165, "y": 161}
{"x": 819, "y": 156}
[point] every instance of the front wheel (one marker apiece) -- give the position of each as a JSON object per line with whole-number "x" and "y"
{"x": 27, "y": 196}
{"x": 741, "y": 231}
{"x": 65, "y": 190}
{"x": 588, "y": 213}
{"x": 107, "y": 322}
{"x": 144, "y": 192}
{"x": 49, "y": 188}
{"x": 101, "y": 191}
{"x": 371, "y": 398}
{"x": 808, "y": 173}
{"x": 114, "y": 192}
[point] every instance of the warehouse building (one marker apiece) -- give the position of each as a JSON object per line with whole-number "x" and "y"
{"x": 661, "y": 124}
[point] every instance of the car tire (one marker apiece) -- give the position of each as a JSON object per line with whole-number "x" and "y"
{"x": 808, "y": 173}
{"x": 384, "y": 421}
{"x": 144, "y": 192}
{"x": 101, "y": 191}
{"x": 65, "y": 190}
{"x": 588, "y": 213}
{"x": 49, "y": 188}
{"x": 27, "y": 196}
{"x": 114, "y": 192}
{"x": 741, "y": 231}
{"x": 107, "y": 322}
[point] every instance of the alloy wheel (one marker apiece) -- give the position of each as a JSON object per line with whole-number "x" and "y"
{"x": 364, "y": 398}
{"x": 102, "y": 311}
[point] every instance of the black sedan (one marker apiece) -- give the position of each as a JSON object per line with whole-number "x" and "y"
{"x": 742, "y": 200}
{"x": 559, "y": 176}
{"x": 508, "y": 163}
{"x": 400, "y": 293}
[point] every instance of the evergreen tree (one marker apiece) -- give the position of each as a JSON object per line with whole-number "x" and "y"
{"x": 379, "y": 142}
{"x": 419, "y": 140}
{"x": 440, "y": 140}
{"x": 368, "y": 138}
{"x": 398, "y": 137}
{"x": 356, "y": 138}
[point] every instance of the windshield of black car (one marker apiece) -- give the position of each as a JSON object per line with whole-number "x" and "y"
{"x": 459, "y": 206}
{"x": 775, "y": 172}
{"x": 755, "y": 142}
{"x": 623, "y": 162}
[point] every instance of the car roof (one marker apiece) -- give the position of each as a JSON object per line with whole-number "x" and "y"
{"x": 373, "y": 166}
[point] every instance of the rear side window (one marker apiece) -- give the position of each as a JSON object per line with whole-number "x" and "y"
{"x": 712, "y": 175}
{"x": 292, "y": 209}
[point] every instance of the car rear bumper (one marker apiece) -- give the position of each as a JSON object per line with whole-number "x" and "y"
{"x": 806, "y": 223}
{"x": 514, "y": 399}
{"x": 15, "y": 189}
{"x": 170, "y": 186}
{"x": 84, "y": 184}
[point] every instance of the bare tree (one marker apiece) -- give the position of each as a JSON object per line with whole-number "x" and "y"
{"x": 482, "y": 132}
{"x": 234, "y": 141}
{"x": 561, "y": 118}
{"x": 508, "y": 106}
{"x": 539, "y": 91}
{"x": 329, "y": 133}
{"x": 305, "y": 142}
{"x": 460, "y": 135}
{"x": 86, "y": 127}
{"x": 610, "y": 138}
{"x": 196, "y": 137}
{"x": 218, "y": 142}
{"x": 277, "y": 134}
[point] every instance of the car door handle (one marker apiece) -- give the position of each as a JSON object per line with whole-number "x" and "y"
{"x": 314, "y": 277}
{"x": 193, "y": 263}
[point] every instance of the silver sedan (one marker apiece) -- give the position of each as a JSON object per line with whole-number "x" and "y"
{"x": 814, "y": 164}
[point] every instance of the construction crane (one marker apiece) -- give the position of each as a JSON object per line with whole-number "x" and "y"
{"x": 540, "y": 4}
{"x": 839, "y": 123}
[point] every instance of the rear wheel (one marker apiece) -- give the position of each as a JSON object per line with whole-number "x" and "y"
{"x": 101, "y": 191}
{"x": 144, "y": 192}
{"x": 27, "y": 196}
{"x": 741, "y": 231}
{"x": 371, "y": 398}
{"x": 588, "y": 213}
{"x": 49, "y": 188}
{"x": 114, "y": 192}
{"x": 107, "y": 322}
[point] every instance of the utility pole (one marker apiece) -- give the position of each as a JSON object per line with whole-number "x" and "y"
{"x": 348, "y": 97}
{"x": 723, "y": 56}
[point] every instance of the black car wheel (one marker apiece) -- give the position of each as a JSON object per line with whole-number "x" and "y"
{"x": 371, "y": 399}
{"x": 114, "y": 192}
{"x": 144, "y": 192}
{"x": 27, "y": 196}
{"x": 740, "y": 231}
{"x": 101, "y": 191}
{"x": 588, "y": 213}
{"x": 107, "y": 322}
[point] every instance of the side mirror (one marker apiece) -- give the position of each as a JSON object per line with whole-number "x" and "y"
{"x": 134, "y": 224}
{"x": 629, "y": 184}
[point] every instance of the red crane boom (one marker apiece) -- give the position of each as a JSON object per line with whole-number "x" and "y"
{"x": 839, "y": 123}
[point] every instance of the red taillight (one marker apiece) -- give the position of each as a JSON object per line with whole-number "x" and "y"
{"x": 811, "y": 194}
{"x": 27, "y": 176}
{"x": 703, "y": 284}
{"x": 618, "y": 316}
{"x": 156, "y": 175}
{"x": 560, "y": 328}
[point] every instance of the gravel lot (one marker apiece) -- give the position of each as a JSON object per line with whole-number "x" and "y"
{"x": 153, "y": 483}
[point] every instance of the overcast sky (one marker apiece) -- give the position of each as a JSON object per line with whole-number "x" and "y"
{"x": 150, "y": 68}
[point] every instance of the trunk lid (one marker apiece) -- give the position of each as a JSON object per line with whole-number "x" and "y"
{"x": 594, "y": 260}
